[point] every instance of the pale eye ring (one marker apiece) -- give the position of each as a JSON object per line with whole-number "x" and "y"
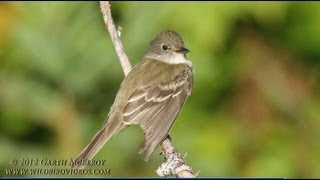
{"x": 164, "y": 47}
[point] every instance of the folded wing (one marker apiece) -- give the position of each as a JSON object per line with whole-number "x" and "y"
{"x": 155, "y": 109}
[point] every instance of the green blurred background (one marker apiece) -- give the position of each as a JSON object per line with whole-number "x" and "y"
{"x": 255, "y": 106}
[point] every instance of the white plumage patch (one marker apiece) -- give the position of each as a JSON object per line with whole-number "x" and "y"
{"x": 176, "y": 58}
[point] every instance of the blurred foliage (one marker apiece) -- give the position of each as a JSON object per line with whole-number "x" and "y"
{"x": 255, "y": 106}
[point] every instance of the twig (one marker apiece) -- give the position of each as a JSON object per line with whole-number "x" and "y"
{"x": 174, "y": 164}
{"x": 115, "y": 36}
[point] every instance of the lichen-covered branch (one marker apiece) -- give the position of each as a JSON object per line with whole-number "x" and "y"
{"x": 174, "y": 164}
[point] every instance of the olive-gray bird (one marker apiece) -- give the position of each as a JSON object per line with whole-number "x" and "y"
{"x": 151, "y": 96}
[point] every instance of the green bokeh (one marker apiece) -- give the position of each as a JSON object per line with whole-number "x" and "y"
{"x": 255, "y": 106}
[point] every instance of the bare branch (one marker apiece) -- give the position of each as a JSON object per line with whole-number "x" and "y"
{"x": 174, "y": 164}
{"x": 115, "y": 36}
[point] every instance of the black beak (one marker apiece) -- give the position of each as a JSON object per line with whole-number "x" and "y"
{"x": 182, "y": 50}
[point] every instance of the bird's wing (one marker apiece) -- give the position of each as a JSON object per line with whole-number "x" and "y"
{"x": 155, "y": 109}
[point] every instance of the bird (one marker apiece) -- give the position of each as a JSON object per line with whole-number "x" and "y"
{"x": 150, "y": 96}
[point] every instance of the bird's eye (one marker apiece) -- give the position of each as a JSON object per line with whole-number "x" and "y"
{"x": 164, "y": 47}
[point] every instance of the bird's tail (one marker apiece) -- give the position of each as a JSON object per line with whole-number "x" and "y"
{"x": 109, "y": 129}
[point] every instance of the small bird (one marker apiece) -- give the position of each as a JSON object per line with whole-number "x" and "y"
{"x": 151, "y": 96}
